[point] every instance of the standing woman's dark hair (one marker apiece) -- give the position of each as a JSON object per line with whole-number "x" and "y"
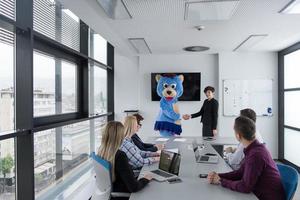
{"x": 209, "y": 88}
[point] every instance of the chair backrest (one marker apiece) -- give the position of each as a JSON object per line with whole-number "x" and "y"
{"x": 289, "y": 179}
{"x": 103, "y": 176}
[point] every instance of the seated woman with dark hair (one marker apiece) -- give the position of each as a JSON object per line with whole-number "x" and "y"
{"x": 139, "y": 143}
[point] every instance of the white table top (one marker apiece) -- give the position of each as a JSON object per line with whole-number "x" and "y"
{"x": 191, "y": 187}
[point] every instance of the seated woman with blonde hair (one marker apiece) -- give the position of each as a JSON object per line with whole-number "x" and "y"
{"x": 137, "y": 158}
{"x": 122, "y": 174}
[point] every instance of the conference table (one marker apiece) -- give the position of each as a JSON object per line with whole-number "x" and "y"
{"x": 191, "y": 187}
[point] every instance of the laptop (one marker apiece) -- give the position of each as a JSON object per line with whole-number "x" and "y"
{"x": 168, "y": 168}
{"x": 206, "y": 158}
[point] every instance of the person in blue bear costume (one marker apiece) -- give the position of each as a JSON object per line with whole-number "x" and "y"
{"x": 169, "y": 88}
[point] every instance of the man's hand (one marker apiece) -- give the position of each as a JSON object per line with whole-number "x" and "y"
{"x": 229, "y": 150}
{"x": 213, "y": 178}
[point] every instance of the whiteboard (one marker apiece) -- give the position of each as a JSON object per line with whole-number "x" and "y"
{"x": 241, "y": 94}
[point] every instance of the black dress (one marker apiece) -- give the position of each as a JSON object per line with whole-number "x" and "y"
{"x": 125, "y": 180}
{"x": 209, "y": 116}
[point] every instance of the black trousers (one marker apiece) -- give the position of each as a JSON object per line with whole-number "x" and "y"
{"x": 207, "y": 130}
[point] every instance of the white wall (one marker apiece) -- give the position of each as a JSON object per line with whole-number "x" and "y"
{"x": 251, "y": 66}
{"x": 126, "y": 87}
{"x": 133, "y": 88}
{"x": 206, "y": 64}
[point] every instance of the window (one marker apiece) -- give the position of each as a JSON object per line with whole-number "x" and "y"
{"x": 98, "y": 47}
{"x": 98, "y": 90}
{"x": 7, "y": 170}
{"x": 52, "y": 77}
{"x": 57, "y": 23}
{"x": 44, "y": 84}
{"x": 291, "y": 146}
{"x": 6, "y": 80}
{"x": 69, "y": 87}
{"x": 289, "y": 101}
{"x": 60, "y": 154}
{"x": 292, "y": 70}
{"x": 98, "y": 125}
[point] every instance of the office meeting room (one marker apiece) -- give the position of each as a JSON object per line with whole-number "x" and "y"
{"x": 149, "y": 99}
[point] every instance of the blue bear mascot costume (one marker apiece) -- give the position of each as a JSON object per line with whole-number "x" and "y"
{"x": 169, "y": 88}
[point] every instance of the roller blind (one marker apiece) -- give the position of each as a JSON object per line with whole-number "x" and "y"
{"x": 57, "y": 23}
{"x": 6, "y": 36}
{"x": 7, "y": 8}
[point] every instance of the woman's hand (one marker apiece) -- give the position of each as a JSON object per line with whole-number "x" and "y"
{"x": 160, "y": 146}
{"x": 214, "y": 178}
{"x": 148, "y": 177}
{"x": 186, "y": 116}
{"x": 215, "y": 132}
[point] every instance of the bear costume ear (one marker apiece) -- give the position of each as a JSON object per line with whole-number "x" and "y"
{"x": 181, "y": 77}
{"x": 157, "y": 77}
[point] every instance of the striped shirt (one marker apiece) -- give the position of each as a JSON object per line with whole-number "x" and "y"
{"x": 136, "y": 157}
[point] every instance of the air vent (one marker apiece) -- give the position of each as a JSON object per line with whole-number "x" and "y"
{"x": 140, "y": 45}
{"x": 196, "y": 48}
{"x": 210, "y": 9}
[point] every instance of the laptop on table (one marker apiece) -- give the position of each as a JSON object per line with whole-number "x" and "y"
{"x": 206, "y": 158}
{"x": 168, "y": 168}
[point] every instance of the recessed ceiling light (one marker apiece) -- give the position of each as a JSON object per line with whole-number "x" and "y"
{"x": 196, "y": 48}
{"x": 293, "y": 7}
{"x": 250, "y": 41}
{"x": 140, "y": 45}
{"x": 115, "y": 9}
{"x": 210, "y": 9}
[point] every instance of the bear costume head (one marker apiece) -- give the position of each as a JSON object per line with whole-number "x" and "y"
{"x": 169, "y": 86}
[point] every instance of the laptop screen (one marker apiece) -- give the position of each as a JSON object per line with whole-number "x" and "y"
{"x": 169, "y": 162}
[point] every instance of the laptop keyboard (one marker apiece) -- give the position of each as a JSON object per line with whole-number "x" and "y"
{"x": 204, "y": 158}
{"x": 161, "y": 173}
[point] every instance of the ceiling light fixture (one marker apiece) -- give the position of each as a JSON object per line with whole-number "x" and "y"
{"x": 140, "y": 45}
{"x": 196, "y": 48}
{"x": 115, "y": 9}
{"x": 293, "y": 7}
{"x": 210, "y": 9}
{"x": 250, "y": 41}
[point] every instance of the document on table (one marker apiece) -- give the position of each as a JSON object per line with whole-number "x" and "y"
{"x": 179, "y": 140}
{"x": 175, "y": 150}
{"x": 162, "y": 139}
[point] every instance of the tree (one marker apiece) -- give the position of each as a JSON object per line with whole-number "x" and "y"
{"x": 6, "y": 164}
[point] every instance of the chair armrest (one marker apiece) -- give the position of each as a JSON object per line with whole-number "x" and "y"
{"x": 119, "y": 194}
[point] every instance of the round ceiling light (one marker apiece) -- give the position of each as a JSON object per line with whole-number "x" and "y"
{"x": 196, "y": 48}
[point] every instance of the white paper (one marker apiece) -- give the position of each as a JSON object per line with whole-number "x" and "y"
{"x": 162, "y": 139}
{"x": 175, "y": 150}
{"x": 179, "y": 140}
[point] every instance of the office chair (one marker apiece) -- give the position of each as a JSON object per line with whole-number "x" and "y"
{"x": 103, "y": 180}
{"x": 289, "y": 179}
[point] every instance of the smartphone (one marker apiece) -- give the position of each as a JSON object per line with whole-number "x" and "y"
{"x": 203, "y": 175}
{"x": 211, "y": 154}
{"x": 175, "y": 180}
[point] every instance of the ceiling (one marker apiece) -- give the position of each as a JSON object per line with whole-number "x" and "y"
{"x": 162, "y": 24}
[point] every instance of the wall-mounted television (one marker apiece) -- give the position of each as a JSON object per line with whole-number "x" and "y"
{"x": 191, "y": 86}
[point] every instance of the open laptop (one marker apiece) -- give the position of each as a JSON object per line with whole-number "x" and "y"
{"x": 168, "y": 168}
{"x": 206, "y": 158}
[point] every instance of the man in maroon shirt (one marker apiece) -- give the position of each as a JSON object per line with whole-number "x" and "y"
{"x": 258, "y": 172}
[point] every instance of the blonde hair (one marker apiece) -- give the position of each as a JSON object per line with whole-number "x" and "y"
{"x": 112, "y": 138}
{"x": 129, "y": 123}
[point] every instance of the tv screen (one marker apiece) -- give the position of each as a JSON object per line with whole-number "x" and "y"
{"x": 191, "y": 86}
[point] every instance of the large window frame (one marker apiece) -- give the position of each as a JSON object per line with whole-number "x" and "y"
{"x": 26, "y": 125}
{"x": 281, "y": 102}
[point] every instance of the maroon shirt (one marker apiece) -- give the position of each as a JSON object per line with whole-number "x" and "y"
{"x": 258, "y": 174}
